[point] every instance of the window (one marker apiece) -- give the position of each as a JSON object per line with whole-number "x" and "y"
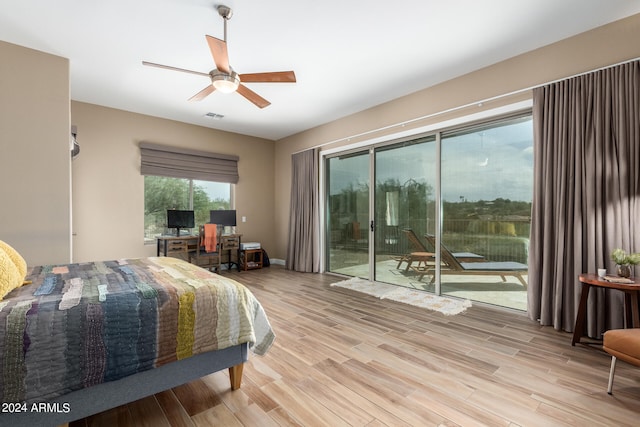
{"x": 185, "y": 179}
{"x": 163, "y": 193}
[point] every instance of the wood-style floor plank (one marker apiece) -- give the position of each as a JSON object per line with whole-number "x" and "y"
{"x": 173, "y": 409}
{"x": 196, "y": 397}
{"x": 148, "y": 413}
{"x": 346, "y": 359}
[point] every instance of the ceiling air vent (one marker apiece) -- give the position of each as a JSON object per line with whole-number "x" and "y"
{"x": 215, "y": 116}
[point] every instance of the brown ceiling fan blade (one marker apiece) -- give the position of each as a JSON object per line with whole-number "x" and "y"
{"x": 203, "y": 93}
{"x": 219, "y": 52}
{"x": 167, "y": 67}
{"x": 273, "y": 77}
{"x": 252, "y": 96}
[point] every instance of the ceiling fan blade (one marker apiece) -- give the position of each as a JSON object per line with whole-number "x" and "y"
{"x": 219, "y": 52}
{"x": 167, "y": 67}
{"x": 252, "y": 96}
{"x": 274, "y": 77}
{"x": 203, "y": 93}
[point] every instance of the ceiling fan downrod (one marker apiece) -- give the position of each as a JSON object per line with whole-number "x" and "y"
{"x": 226, "y": 13}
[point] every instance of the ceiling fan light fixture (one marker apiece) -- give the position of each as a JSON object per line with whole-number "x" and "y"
{"x": 225, "y": 83}
{"x": 223, "y": 78}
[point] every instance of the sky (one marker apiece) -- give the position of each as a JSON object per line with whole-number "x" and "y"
{"x": 216, "y": 190}
{"x": 480, "y": 164}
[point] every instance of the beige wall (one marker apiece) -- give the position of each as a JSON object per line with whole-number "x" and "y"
{"x": 108, "y": 190}
{"x": 39, "y": 177}
{"x": 607, "y": 45}
{"x": 34, "y": 154}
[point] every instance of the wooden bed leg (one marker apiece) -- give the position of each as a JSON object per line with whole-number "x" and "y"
{"x": 235, "y": 375}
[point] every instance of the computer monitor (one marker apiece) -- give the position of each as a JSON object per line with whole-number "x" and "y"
{"x": 180, "y": 219}
{"x": 223, "y": 217}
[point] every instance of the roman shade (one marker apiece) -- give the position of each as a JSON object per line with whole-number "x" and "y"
{"x": 177, "y": 162}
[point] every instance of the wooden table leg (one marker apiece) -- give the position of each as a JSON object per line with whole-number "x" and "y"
{"x": 635, "y": 315}
{"x": 578, "y": 328}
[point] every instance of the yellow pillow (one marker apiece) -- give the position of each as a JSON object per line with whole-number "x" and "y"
{"x": 17, "y": 259}
{"x": 10, "y": 277}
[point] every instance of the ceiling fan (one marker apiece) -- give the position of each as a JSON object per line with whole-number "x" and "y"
{"x": 223, "y": 77}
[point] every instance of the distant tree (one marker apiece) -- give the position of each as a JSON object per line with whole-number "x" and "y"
{"x": 202, "y": 204}
{"x": 497, "y": 208}
{"x": 162, "y": 193}
{"x": 415, "y": 203}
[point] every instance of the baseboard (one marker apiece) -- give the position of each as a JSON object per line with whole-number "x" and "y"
{"x": 276, "y": 261}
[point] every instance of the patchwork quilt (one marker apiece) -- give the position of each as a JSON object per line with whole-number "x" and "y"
{"x": 82, "y": 324}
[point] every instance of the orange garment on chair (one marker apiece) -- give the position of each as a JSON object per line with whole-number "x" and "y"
{"x": 210, "y": 238}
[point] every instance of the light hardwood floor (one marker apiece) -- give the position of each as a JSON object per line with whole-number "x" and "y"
{"x": 346, "y": 359}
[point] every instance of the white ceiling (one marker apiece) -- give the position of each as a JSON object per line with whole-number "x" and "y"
{"x": 348, "y": 55}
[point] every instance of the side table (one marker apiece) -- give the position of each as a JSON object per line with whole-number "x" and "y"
{"x": 631, "y": 292}
{"x": 251, "y": 259}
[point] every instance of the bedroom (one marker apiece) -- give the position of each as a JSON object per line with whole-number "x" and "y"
{"x": 106, "y": 213}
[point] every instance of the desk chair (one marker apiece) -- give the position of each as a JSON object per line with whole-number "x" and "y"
{"x": 206, "y": 253}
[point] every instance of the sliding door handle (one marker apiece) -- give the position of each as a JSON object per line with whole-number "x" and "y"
{"x": 372, "y": 227}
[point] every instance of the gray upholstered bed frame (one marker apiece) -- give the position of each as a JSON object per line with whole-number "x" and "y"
{"x": 92, "y": 400}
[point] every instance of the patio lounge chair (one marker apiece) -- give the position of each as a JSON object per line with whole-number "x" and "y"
{"x": 452, "y": 265}
{"x": 419, "y": 253}
{"x": 422, "y": 255}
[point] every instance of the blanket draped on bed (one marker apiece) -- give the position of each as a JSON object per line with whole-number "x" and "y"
{"x": 78, "y": 325}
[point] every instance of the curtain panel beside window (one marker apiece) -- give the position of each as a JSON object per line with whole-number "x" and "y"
{"x": 586, "y": 193}
{"x": 177, "y": 162}
{"x": 304, "y": 224}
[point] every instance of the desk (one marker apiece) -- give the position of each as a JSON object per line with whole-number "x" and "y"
{"x": 175, "y": 245}
{"x": 631, "y": 292}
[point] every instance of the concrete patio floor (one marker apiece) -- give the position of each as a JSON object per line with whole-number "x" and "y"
{"x": 485, "y": 289}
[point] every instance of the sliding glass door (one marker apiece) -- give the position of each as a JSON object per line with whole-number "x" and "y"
{"x": 405, "y": 177}
{"x": 447, "y": 213}
{"x": 487, "y": 189}
{"x": 403, "y": 200}
{"x": 347, "y": 214}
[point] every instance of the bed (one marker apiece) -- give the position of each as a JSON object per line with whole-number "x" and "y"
{"x": 82, "y": 338}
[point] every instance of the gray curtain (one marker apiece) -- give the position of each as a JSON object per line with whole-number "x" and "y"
{"x": 303, "y": 249}
{"x": 586, "y": 193}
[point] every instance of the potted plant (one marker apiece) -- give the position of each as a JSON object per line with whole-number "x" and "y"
{"x": 624, "y": 260}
